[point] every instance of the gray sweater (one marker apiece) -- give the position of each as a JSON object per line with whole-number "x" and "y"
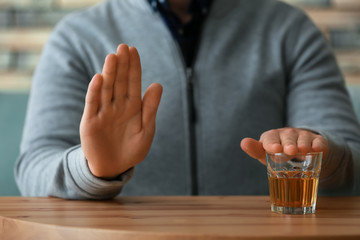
{"x": 261, "y": 65}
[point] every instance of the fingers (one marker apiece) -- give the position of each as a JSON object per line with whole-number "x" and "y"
{"x": 134, "y": 84}
{"x": 304, "y": 142}
{"x": 151, "y": 103}
{"x": 289, "y": 137}
{"x": 287, "y": 140}
{"x": 122, "y": 75}
{"x": 292, "y": 141}
{"x": 271, "y": 141}
{"x": 92, "y": 101}
{"x": 254, "y": 149}
{"x": 319, "y": 144}
{"x": 108, "y": 74}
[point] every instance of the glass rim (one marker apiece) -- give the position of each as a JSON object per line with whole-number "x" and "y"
{"x": 297, "y": 154}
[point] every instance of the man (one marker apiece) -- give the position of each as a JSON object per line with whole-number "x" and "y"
{"x": 226, "y": 70}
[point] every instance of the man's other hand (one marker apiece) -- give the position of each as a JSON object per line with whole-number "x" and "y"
{"x": 287, "y": 140}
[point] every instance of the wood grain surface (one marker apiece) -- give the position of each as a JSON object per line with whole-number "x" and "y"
{"x": 215, "y": 217}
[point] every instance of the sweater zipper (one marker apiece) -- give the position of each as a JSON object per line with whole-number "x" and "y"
{"x": 192, "y": 132}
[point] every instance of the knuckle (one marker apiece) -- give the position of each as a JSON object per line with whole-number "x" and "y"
{"x": 289, "y": 131}
{"x": 268, "y": 134}
{"x": 320, "y": 139}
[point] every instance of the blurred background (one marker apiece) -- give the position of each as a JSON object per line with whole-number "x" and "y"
{"x": 26, "y": 24}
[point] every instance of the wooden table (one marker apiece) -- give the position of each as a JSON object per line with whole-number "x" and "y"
{"x": 235, "y": 217}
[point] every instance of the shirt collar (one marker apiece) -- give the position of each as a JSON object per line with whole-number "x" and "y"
{"x": 203, "y": 4}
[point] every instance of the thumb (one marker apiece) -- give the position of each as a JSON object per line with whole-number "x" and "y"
{"x": 150, "y": 106}
{"x": 254, "y": 149}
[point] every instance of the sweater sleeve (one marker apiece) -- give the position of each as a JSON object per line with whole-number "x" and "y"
{"x": 51, "y": 161}
{"x": 317, "y": 99}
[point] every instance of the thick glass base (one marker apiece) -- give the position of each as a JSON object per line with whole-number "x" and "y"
{"x": 293, "y": 210}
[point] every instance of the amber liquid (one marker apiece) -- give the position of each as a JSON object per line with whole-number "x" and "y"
{"x": 293, "y": 192}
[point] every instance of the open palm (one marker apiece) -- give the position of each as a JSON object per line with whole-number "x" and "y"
{"x": 118, "y": 126}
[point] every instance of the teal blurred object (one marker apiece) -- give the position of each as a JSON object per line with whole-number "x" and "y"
{"x": 354, "y": 91}
{"x": 12, "y": 115}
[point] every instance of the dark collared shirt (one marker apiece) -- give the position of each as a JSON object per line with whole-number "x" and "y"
{"x": 188, "y": 34}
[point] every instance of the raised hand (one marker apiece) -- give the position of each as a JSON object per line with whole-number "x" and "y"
{"x": 287, "y": 140}
{"x": 118, "y": 126}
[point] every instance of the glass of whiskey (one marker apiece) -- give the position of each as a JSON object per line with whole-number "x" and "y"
{"x": 293, "y": 182}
